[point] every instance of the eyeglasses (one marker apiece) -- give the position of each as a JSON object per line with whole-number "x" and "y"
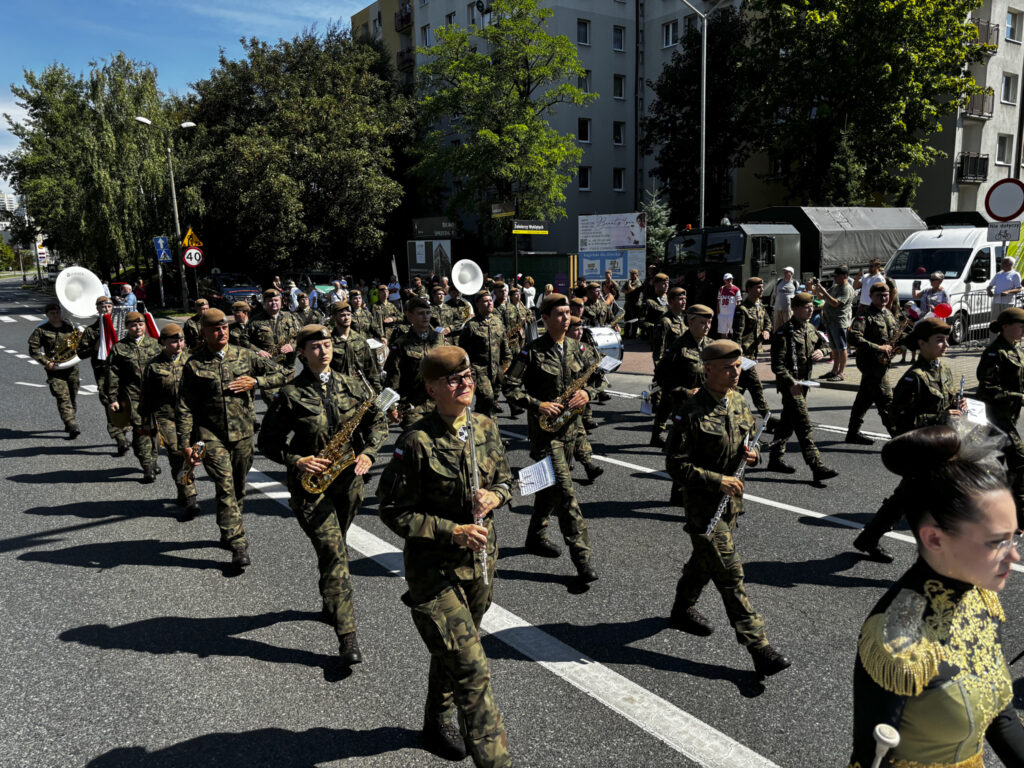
{"x": 1002, "y": 547}
{"x": 457, "y": 380}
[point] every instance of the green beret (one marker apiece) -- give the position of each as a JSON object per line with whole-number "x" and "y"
{"x": 927, "y": 328}
{"x": 241, "y": 306}
{"x": 443, "y": 361}
{"x": 752, "y": 281}
{"x": 593, "y": 286}
{"x": 1007, "y": 317}
{"x": 132, "y": 317}
{"x": 271, "y": 293}
{"x": 661, "y": 276}
{"x": 878, "y": 288}
{"x": 723, "y": 349}
{"x": 201, "y": 303}
{"x": 416, "y": 302}
{"x": 483, "y": 293}
{"x": 677, "y": 291}
{"x": 574, "y": 321}
{"x": 578, "y": 301}
{"x": 340, "y": 306}
{"x": 170, "y": 331}
{"x": 104, "y": 300}
{"x": 553, "y": 302}
{"x": 214, "y": 317}
{"x": 311, "y": 333}
{"x": 699, "y": 310}
{"x": 802, "y": 299}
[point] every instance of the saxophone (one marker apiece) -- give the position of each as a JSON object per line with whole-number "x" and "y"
{"x": 555, "y": 423}
{"x": 513, "y": 332}
{"x": 884, "y": 358}
{"x": 187, "y": 476}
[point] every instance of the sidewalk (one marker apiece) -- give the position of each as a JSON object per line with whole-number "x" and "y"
{"x": 637, "y": 361}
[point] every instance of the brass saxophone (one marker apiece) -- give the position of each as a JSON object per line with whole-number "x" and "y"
{"x": 513, "y": 332}
{"x": 187, "y": 476}
{"x": 555, "y": 423}
{"x": 884, "y": 358}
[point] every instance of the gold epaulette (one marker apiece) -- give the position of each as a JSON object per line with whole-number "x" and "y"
{"x": 903, "y": 665}
{"x": 992, "y": 604}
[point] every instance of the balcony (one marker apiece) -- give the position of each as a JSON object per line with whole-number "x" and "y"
{"x": 988, "y": 33}
{"x": 403, "y": 18}
{"x": 980, "y": 105}
{"x": 971, "y": 168}
{"x": 406, "y": 58}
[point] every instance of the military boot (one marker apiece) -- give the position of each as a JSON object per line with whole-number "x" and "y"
{"x": 767, "y": 661}
{"x": 821, "y": 472}
{"x": 73, "y": 430}
{"x": 585, "y": 573}
{"x": 149, "y": 474}
{"x": 443, "y": 740}
{"x": 348, "y": 649}
{"x": 191, "y": 509}
{"x": 656, "y": 440}
{"x": 539, "y": 545}
{"x": 593, "y": 471}
{"x": 122, "y": 446}
{"x": 872, "y": 550}
{"x": 856, "y": 438}
{"x": 240, "y": 557}
{"x": 690, "y": 620}
{"x": 776, "y": 464}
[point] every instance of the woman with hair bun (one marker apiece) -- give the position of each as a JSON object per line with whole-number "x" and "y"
{"x": 929, "y": 659}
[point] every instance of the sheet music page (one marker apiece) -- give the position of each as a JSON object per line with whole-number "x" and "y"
{"x": 536, "y": 477}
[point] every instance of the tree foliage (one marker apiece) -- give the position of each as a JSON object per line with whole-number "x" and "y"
{"x": 659, "y": 226}
{"x": 487, "y": 95}
{"x": 846, "y": 95}
{"x": 671, "y": 132}
{"x": 291, "y": 162}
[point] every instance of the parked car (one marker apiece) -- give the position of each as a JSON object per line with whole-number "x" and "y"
{"x": 222, "y": 289}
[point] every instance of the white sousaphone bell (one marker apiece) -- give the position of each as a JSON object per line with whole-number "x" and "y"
{"x": 468, "y": 278}
{"x": 77, "y": 290}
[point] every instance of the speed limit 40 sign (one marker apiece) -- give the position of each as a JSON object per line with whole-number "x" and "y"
{"x": 192, "y": 256}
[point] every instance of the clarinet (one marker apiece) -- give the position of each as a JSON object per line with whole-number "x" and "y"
{"x": 960, "y": 396}
{"x": 738, "y": 474}
{"x": 474, "y": 486}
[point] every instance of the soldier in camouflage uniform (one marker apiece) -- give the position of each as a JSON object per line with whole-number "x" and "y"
{"x": 425, "y": 498}
{"x": 89, "y": 347}
{"x": 364, "y": 322}
{"x": 924, "y": 395}
{"x": 483, "y": 338}
{"x": 307, "y": 315}
{"x": 351, "y": 355}
{"x": 441, "y": 315}
{"x": 873, "y": 333}
{"x": 515, "y": 314}
{"x": 63, "y": 383}
{"x": 161, "y": 398}
{"x": 597, "y": 313}
{"x": 583, "y": 451}
{"x": 238, "y": 331}
{"x": 796, "y": 346}
{"x": 313, "y": 408}
{"x": 402, "y": 368}
{"x": 750, "y": 327}
{"x": 680, "y": 371}
{"x": 275, "y": 333}
{"x": 123, "y": 388}
{"x": 655, "y": 307}
{"x": 1001, "y": 387}
{"x": 542, "y": 373}
{"x": 194, "y": 325}
{"x": 217, "y": 408}
{"x": 418, "y": 288}
{"x": 705, "y": 449}
{"x": 463, "y": 309}
{"x": 387, "y": 315}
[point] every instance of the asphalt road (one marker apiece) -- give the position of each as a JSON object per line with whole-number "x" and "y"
{"x": 127, "y": 642}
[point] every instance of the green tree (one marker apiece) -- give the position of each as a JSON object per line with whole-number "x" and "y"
{"x": 858, "y": 83}
{"x": 671, "y": 132}
{"x": 7, "y": 258}
{"x": 659, "y": 227}
{"x": 487, "y": 95}
{"x": 293, "y": 154}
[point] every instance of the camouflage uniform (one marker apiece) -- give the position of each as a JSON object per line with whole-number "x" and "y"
{"x": 443, "y": 316}
{"x": 871, "y": 330}
{"x": 385, "y": 310}
{"x": 193, "y": 332}
{"x": 353, "y": 355}
{"x": 460, "y": 306}
{"x": 484, "y": 342}
{"x": 679, "y": 370}
{"x": 63, "y": 383}
{"x": 161, "y": 398}
{"x": 223, "y": 419}
{"x": 238, "y": 336}
{"x": 751, "y": 321}
{"x": 1001, "y": 387}
{"x": 582, "y": 450}
{"x": 125, "y": 368}
{"x": 90, "y": 347}
{"x": 792, "y": 346}
{"x": 402, "y": 373}
{"x": 511, "y": 316}
{"x": 313, "y": 411}
{"x": 668, "y": 329}
{"x": 424, "y": 494}
{"x": 651, "y": 312}
{"x": 364, "y": 322}
{"x": 270, "y": 334}
{"x": 632, "y": 304}
{"x": 598, "y": 314}
{"x": 706, "y": 444}
{"x": 311, "y": 316}
{"x": 542, "y": 373}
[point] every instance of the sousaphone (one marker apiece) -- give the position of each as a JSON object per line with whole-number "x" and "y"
{"x": 77, "y": 291}
{"x": 468, "y": 278}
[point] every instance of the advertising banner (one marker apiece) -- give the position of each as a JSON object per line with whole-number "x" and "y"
{"x": 615, "y": 242}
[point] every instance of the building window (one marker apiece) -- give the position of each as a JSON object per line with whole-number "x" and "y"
{"x": 1009, "y": 91}
{"x": 618, "y": 38}
{"x": 618, "y": 179}
{"x": 584, "y": 81}
{"x": 584, "y": 178}
{"x": 670, "y": 34}
{"x": 1004, "y": 149}
{"x": 583, "y": 129}
{"x": 618, "y": 134}
{"x": 471, "y": 15}
{"x": 619, "y": 86}
{"x": 1013, "y": 26}
{"x": 449, "y": 20}
{"x": 425, "y": 35}
{"x": 583, "y": 31}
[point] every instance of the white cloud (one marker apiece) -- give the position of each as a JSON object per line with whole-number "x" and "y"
{"x": 248, "y": 16}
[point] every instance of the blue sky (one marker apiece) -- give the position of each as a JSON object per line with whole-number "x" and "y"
{"x": 181, "y": 38}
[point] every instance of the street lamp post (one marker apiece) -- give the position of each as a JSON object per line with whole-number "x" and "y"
{"x": 703, "y": 96}
{"x": 174, "y": 205}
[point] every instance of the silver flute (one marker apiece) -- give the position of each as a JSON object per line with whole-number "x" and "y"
{"x": 740, "y": 470}
{"x": 474, "y": 486}
{"x": 960, "y": 397}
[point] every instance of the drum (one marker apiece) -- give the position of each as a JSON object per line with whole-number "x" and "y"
{"x": 608, "y": 341}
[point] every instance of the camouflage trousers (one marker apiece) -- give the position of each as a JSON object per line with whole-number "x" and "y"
{"x": 876, "y": 390}
{"x": 795, "y": 420}
{"x": 228, "y": 464}
{"x": 663, "y": 404}
{"x": 142, "y": 441}
{"x": 714, "y": 559}
{"x": 64, "y": 388}
{"x": 582, "y": 450}
{"x": 326, "y": 523}
{"x": 487, "y": 391}
{"x": 460, "y": 676}
{"x": 751, "y": 382}
{"x": 560, "y": 500}
{"x": 175, "y": 456}
{"x": 99, "y": 371}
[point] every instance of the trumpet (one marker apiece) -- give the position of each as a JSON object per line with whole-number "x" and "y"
{"x": 187, "y": 476}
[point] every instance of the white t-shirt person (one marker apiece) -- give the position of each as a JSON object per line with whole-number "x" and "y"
{"x": 1006, "y": 280}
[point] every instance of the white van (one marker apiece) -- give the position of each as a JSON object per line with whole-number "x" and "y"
{"x": 967, "y": 259}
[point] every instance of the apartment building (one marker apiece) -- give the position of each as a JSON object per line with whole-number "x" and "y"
{"x": 621, "y": 43}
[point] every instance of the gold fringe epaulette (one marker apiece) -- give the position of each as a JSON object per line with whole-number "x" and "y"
{"x": 992, "y": 604}
{"x": 903, "y": 671}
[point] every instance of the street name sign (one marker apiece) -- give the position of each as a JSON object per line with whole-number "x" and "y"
{"x": 528, "y": 227}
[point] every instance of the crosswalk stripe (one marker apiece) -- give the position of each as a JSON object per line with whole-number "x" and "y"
{"x": 7, "y": 319}
{"x": 33, "y": 318}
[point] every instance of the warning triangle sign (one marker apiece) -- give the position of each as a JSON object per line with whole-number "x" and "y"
{"x": 191, "y": 241}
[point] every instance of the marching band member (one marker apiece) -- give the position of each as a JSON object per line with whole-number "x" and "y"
{"x": 583, "y": 451}
{"x": 483, "y": 338}
{"x": 193, "y": 328}
{"x": 351, "y": 355}
{"x": 238, "y": 331}
{"x": 312, "y": 408}
{"x": 275, "y": 334}
{"x": 92, "y": 338}
{"x": 402, "y": 368}
{"x": 751, "y": 327}
{"x": 680, "y": 371}
{"x": 63, "y": 382}
{"x": 873, "y": 333}
{"x": 364, "y": 322}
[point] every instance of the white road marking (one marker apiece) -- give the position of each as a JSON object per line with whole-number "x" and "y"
{"x": 22, "y": 357}
{"x": 89, "y": 389}
{"x": 29, "y": 384}
{"x": 627, "y": 395}
{"x": 11, "y": 351}
{"x": 7, "y": 319}
{"x": 678, "y": 729}
{"x": 32, "y": 362}
{"x": 844, "y": 430}
{"x": 33, "y": 318}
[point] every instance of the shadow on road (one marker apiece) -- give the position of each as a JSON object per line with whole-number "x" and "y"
{"x": 264, "y": 748}
{"x": 73, "y": 476}
{"x": 825, "y": 572}
{"x": 111, "y": 554}
{"x": 95, "y": 510}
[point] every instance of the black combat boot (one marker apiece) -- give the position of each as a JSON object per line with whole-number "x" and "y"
{"x": 593, "y": 471}
{"x": 191, "y": 509}
{"x": 240, "y": 557}
{"x": 656, "y": 440}
{"x": 515, "y": 411}
{"x": 603, "y": 397}
{"x": 73, "y": 430}
{"x": 149, "y": 475}
{"x": 690, "y": 620}
{"x": 590, "y": 425}
{"x": 539, "y": 545}
{"x": 776, "y": 464}
{"x": 348, "y": 649}
{"x": 767, "y": 661}
{"x": 822, "y": 472}
{"x": 873, "y": 551}
{"x": 585, "y": 573}
{"x": 122, "y": 446}
{"x": 854, "y": 437}
{"x": 444, "y": 740}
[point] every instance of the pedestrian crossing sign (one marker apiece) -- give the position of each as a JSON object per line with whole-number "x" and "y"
{"x": 191, "y": 241}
